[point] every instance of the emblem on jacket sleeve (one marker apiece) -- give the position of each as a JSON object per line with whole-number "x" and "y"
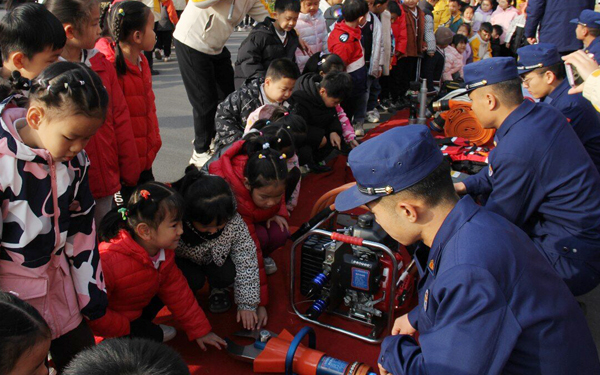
{"x": 344, "y": 37}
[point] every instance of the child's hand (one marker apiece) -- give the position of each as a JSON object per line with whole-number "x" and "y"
{"x": 279, "y": 220}
{"x": 353, "y": 143}
{"x": 249, "y": 318}
{"x": 336, "y": 141}
{"x": 261, "y": 311}
{"x": 305, "y": 48}
{"x": 211, "y": 339}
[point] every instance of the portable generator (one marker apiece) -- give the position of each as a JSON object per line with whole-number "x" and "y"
{"x": 358, "y": 273}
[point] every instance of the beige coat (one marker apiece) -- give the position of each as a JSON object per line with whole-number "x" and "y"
{"x": 204, "y": 24}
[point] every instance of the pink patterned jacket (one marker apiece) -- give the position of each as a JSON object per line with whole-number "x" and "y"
{"x": 48, "y": 250}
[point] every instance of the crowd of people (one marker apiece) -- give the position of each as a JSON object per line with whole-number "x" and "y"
{"x": 92, "y": 246}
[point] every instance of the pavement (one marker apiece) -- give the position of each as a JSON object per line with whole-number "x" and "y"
{"x": 175, "y": 118}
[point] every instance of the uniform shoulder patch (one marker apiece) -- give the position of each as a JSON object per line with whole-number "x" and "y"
{"x": 344, "y": 37}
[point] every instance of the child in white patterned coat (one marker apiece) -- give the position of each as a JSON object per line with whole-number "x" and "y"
{"x": 311, "y": 28}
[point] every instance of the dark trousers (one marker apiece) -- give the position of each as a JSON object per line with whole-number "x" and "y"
{"x": 65, "y": 347}
{"x": 402, "y": 75}
{"x": 208, "y": 79}
{"x": 164, "y": 40}
{"x": 196, "y": 274}
{"x": 143, "y": 327}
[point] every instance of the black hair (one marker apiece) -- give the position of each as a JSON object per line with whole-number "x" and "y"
{"x": 468, "y": 26}
{"x": 468, "y": 7}
{"x": 486, "y": 26}
{"x": 436, "y": 188}
{"x": 74, "y": 12}
{"x": 70, "y": 86}
{"x": 454, "y": 1}
{"x": 122, "y": 356}
{"x": 337, "y": 84}
{"x": 593, "y": 31}
{"x": 498, "y": 29}
{"x": 379, "y": 2}
{"x": 458, "y": 39}
{"x": 30, "y": 29}
{"x": 296, "y": 126}
{"x": 509, "y": 92}
{"x": 324, "y": 63}
{"x": 394, "y": 8}
{"x": 265, "y": 165}
{"x": 558, "y": 69}
{"x": 282, "y": 68}
{"x": 21, "y": 328}
{"x": 352, "y": 10}
{"x": 149, "y": 204}
{"x": 285, "y": 5}
{"x": 208, "y": 198}
{"x": 126, "y": 17}
{"x": 104, "y": 12}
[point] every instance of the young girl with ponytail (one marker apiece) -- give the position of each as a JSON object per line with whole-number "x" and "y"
{"x": 112, "y": 151}
{"x": 257, "y": 175}
{"x": 140, "y": 271}
{"x": 48, "y": 251}
{"x": 131, "y": 25}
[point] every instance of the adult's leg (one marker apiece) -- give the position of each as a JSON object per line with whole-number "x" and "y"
{"x": 65, "y": 347}
{"x": 224, "y": 75}
{"x": 199, "y": 80}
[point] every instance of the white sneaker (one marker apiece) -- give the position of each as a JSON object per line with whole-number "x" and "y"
{"x": 168, "y": 332}
{"x": 359, "y": 130}
{"x": 166, "y": 59}
{"x": 199, "y": 159}
{"x": 373, "y": 116}
{"x": 270, "y": 266}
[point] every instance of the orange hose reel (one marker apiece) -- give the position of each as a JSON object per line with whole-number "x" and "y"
{"x": 461, "y": 122}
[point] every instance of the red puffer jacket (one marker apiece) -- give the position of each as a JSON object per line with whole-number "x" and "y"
{"x": 137, "y": 88}
{"x": 112, "y": 149}
{"x": 132, "y": 281}
{"x": 231, "y": 167}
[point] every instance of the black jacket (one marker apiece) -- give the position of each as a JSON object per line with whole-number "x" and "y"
{"x": 232, "y": 113}
{"x": 260, "y": 48}
{"x": 308, "y": 103}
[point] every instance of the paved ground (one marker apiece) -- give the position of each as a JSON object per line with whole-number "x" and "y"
{"x": 175, "y": 119}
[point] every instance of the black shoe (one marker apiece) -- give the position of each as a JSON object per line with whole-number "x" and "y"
{"x": 218, "y": 301}
{"x": 154, "y": 72}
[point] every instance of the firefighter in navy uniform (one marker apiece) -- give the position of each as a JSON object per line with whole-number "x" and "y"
{"x": 544, "y": 76}
{"x": 540, "y": 176}
{"x": 488, "y": 301}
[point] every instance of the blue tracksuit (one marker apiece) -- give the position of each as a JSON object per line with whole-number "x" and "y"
{"x": 582, "y": 115}
{"x": 490, "y": 304}
{"x": 541, "y": 178}
{"x": 553, "y": 17}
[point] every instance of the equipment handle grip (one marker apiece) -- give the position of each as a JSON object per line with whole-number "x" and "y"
{"x": 289, "y": 357}
{"x": 311, "y": 223}
{"x": 347, "y": 239}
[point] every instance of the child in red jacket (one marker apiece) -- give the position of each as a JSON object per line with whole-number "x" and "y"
{"x": 140, "y": 271}
{"x": 257, "y": 175}
{"x": 344, "y": 41}
{"x": 112, "y": 149}
{"x": 131, "y": 25}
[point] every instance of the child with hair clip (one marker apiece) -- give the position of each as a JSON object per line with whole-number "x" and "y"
{"x": 324, "y": 64}
{"x": 216, "y": 247}
{"x": 24, "y": 338}
{"x": 141, "y": 276}
{"x": 286, "y": 134}
{"x": 257, "y": 175}
{"x": 131, "y": 25}
{"x": 48, "y": 250}
{"x": 112, "y": 151}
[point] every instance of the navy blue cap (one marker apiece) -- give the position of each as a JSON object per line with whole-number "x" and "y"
{"x": 390, "y": 163}
{"x": 589, "y": 18}
{"x": 489, "y": 71}
{"x": 537, "y": 56}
